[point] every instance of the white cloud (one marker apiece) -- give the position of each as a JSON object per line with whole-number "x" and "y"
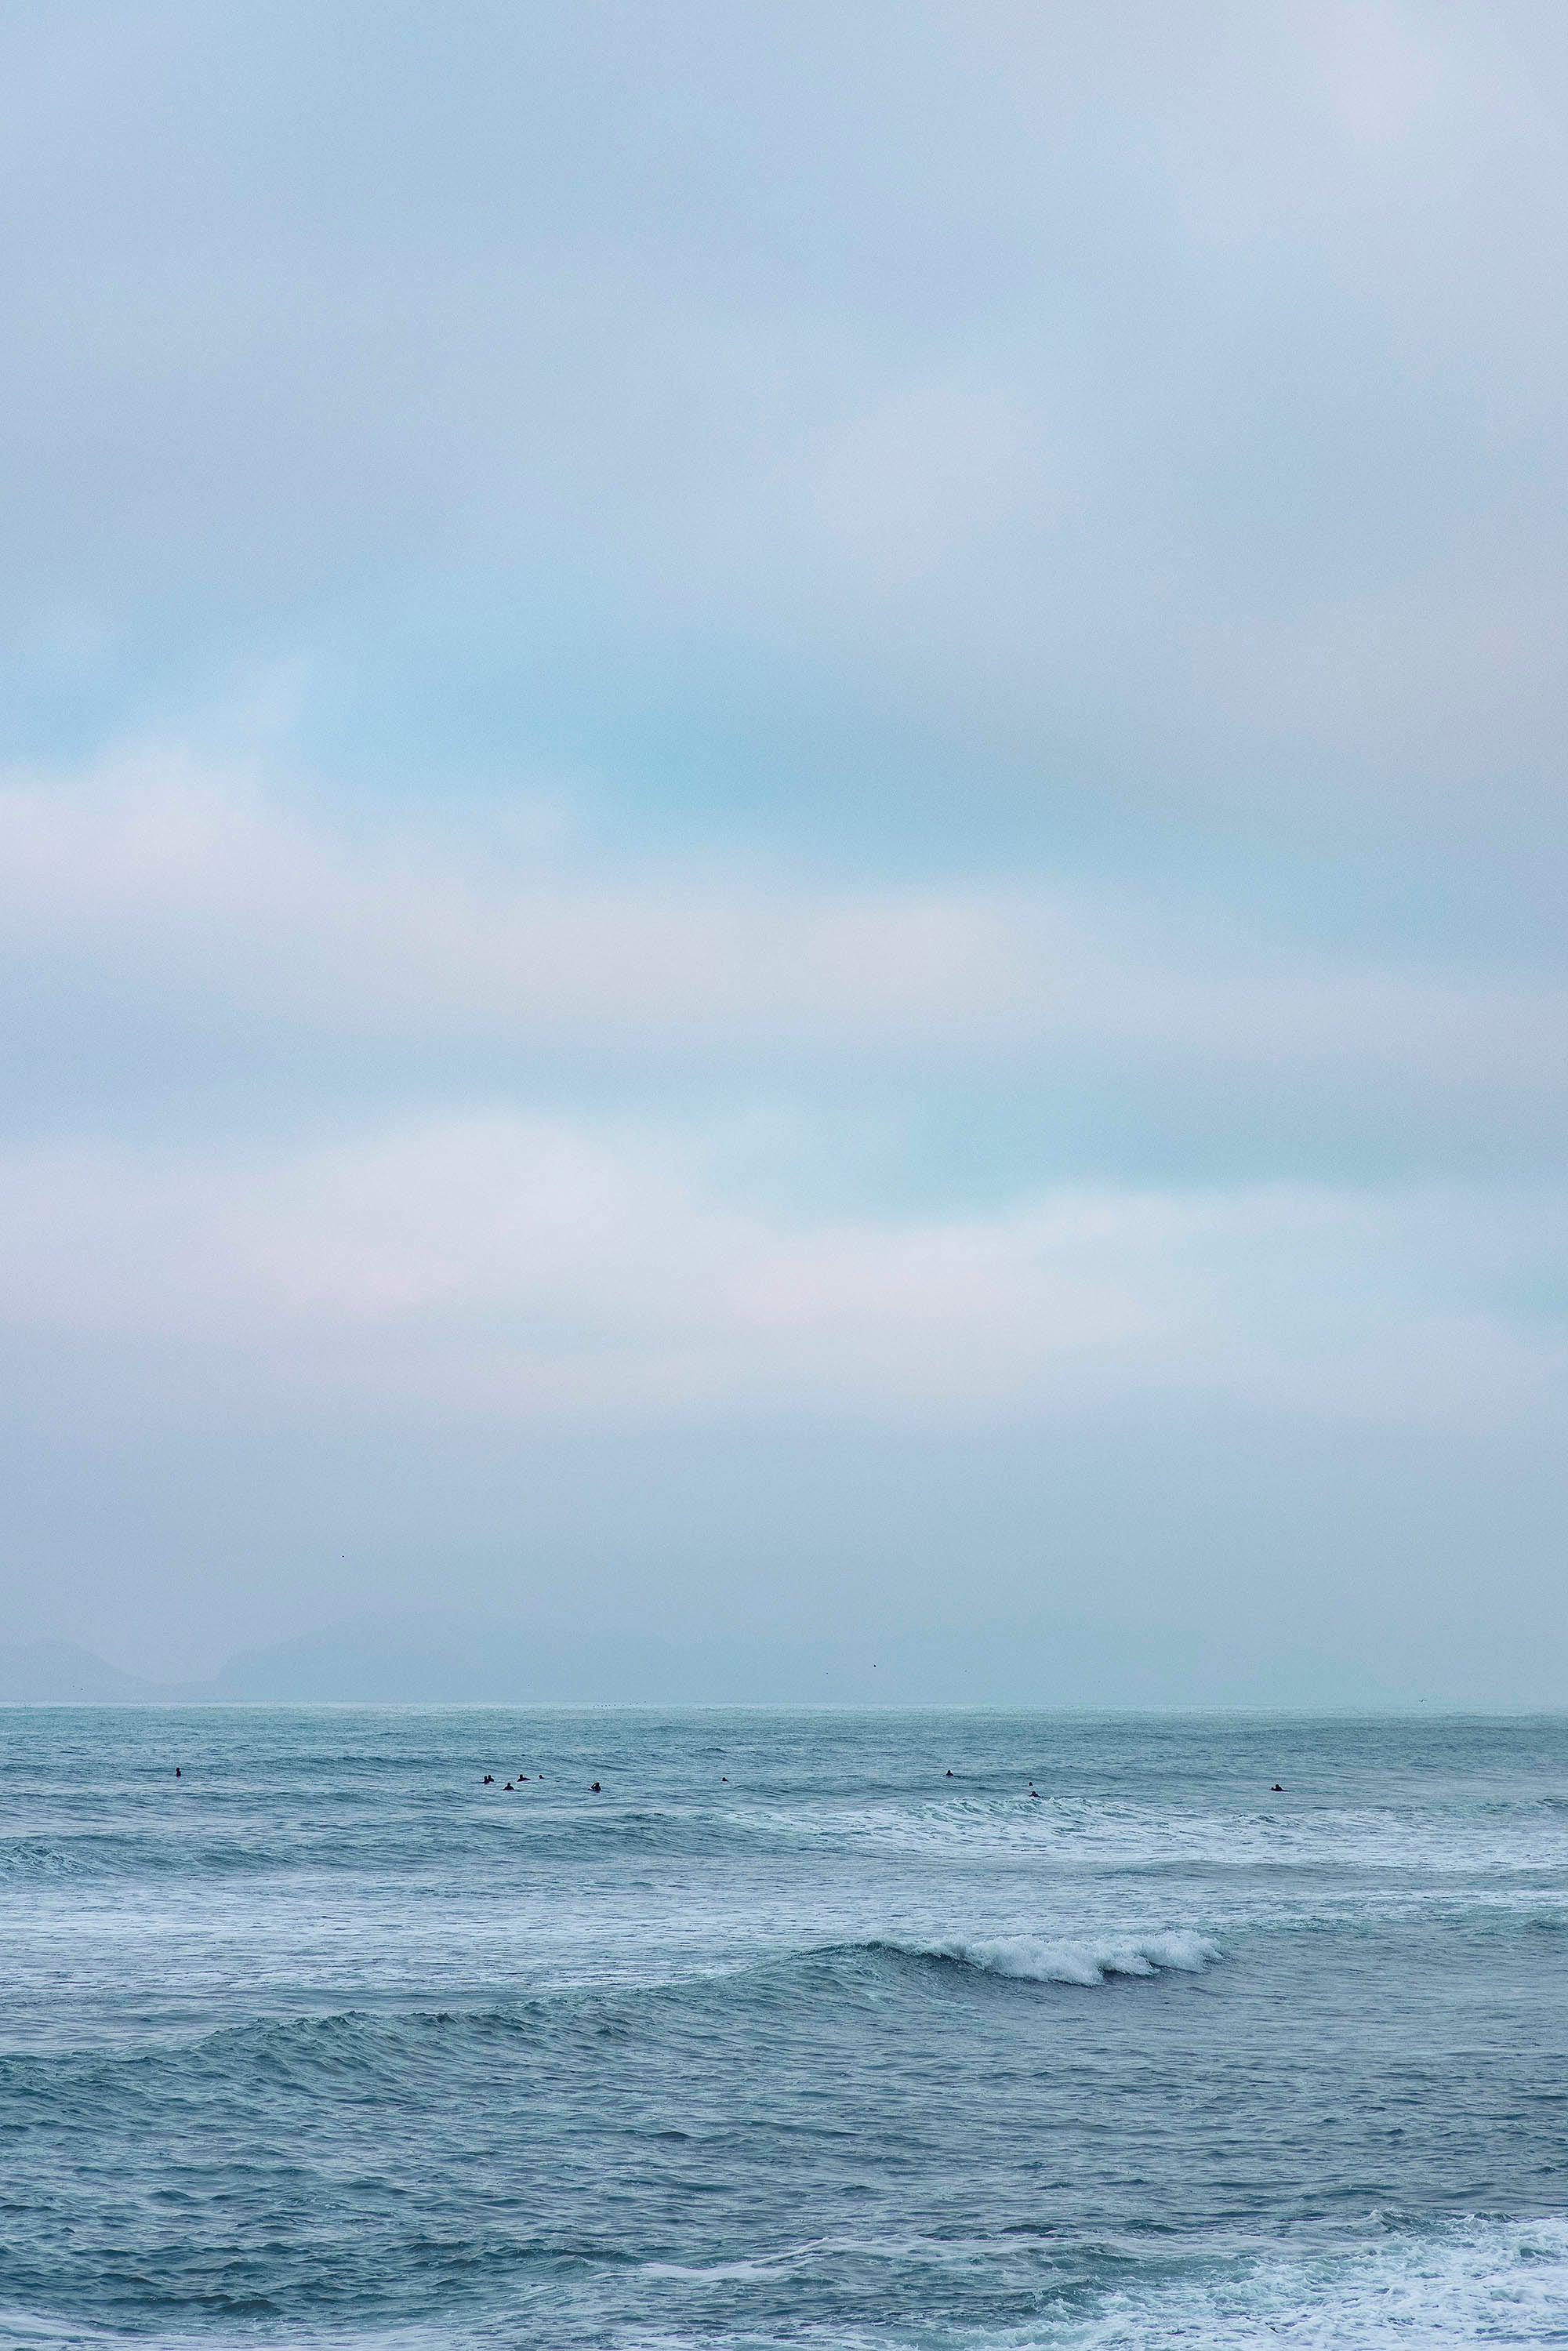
{"x": 520, "y": 1267}
{"x": 157, "y": 865}
{"x": 153, "y": 868}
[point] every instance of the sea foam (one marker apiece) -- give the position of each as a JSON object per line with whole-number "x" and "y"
{"x": 1470, "y": 2283}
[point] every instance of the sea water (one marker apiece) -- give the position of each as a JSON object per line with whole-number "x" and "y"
{"x": 806, "y": 2028}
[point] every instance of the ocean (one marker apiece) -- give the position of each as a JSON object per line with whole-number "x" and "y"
{"x": 804, "y": 2029}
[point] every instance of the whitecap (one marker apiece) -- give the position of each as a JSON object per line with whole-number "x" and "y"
{"x": 1036, "y": 1958}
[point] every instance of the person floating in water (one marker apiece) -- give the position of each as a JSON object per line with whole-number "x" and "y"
{"x": 488, "y": 1780}
{"x": 947, "y": 1775}
{"x": 176, "y": 1771}
{"x": 1275, "y": 1790}
{"x": 595, "y": 1789}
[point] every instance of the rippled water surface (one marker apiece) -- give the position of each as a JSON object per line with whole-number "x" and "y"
{"x": 805, "y": 2029}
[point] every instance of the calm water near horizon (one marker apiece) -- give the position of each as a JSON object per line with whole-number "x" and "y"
{"x": 785, "y": 2037}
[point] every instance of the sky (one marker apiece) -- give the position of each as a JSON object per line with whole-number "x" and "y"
{"x": 781, "y": 832}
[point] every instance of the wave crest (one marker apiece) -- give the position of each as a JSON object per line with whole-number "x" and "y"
{"x": 1035, "y": 1959}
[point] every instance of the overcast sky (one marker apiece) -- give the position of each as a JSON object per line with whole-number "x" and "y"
{"x": 782, "y": 835}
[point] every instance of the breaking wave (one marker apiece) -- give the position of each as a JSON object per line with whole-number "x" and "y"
{"x": 1034, "y": 1958}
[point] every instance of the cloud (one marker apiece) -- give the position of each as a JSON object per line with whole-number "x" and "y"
{"x": 156, "y": 869}
{"x": 526, "y": 1268}
{"x": 927, "y": 471}
{"x": 1167, "y": 415}
{"x": 160, "y": 867}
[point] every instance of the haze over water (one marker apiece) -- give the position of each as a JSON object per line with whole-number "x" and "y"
{"x": 785, "y": 2037}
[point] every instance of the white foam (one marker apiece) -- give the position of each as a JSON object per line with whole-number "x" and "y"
{"x": 1035, "y": 1959}
{"x": 1477, "y": 2283}
{"x": 1100, "y": 1834}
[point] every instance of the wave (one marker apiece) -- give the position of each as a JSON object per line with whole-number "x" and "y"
{"x": 1033, "y": 1958}
{"x": 133, "y": 1856}
{"x": 1122, "y": 1834}
{"x": 399, "y": 2040}
{"x": 1067, "y": 1833}
{"x": 1468, "y": 2283}
{"x": 1471, "y": 2282}
{"x": 93, "y": 1854}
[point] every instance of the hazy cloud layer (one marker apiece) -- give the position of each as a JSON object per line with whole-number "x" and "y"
{"x": 1104, "y": 408}
{"x": 524, "y": 1269}
{"x": 828, "y": 739}
{"x": 153, "y": 869}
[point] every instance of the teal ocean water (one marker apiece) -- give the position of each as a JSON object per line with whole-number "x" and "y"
{"x": 813, "y": 2030}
